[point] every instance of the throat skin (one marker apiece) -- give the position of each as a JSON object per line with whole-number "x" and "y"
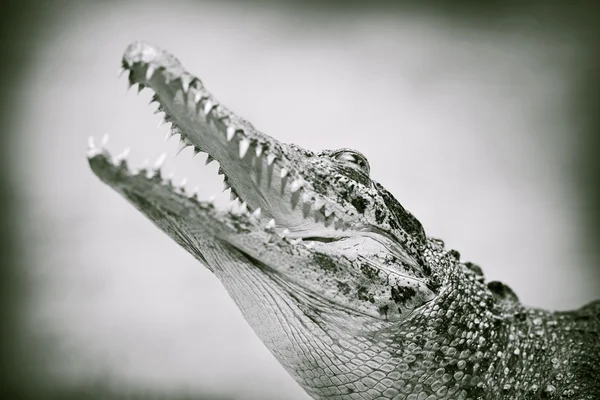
{"x": 339, "y": 281}
{"x": 470, "y": 343}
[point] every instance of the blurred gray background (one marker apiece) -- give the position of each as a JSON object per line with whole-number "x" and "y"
{"x": 481, "y": 121}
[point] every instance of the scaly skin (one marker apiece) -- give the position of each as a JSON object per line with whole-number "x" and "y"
{"x": 336, "y": 278}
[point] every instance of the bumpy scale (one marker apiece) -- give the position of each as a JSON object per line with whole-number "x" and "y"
{"x": 335, "y": 276}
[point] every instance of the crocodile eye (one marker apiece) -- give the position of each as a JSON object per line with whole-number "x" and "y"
{"x": 353, "y": 157}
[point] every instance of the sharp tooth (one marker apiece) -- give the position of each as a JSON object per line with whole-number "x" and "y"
{"x": 198, "y": 97}
{"x": 124, "y": 154}
{"x": 244, "y": 207}
{"x": 230, "y": 132}
{"x": 209, "y": 159}
{"x": 150, "y": 72}
{"x": 93, "y": 152}
{"x": 161, "y": 122}
{"x": 150, "y": 173}
{"x": 91, "y": 143}
{"x": 207, "y": 107}
{"x": 160, "y": 161}
{"x": 270, "y": 159}
{"x": 225, "y": 186}
{"x": 104, "y": 141}
{"x": 256, "y": 213}
{"x": 285, "y": 232}
{"x": 259, "y": 150}
{"x": 244, "y": 146}
{"x": 296, "y": 185}
{"x": 283, "y": 173}
{"x": 270, "y": 224}
{"x": 185, "y": 83}
{"x": 169, "y": 135}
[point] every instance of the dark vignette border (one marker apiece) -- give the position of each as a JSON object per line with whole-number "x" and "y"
{"x": 22, "y": 26}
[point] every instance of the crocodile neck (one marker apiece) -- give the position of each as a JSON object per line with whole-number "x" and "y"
{"x": 473, "y": 341}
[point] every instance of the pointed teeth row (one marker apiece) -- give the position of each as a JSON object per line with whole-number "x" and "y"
{"x": 240, "y": 208}
{"x": 208, "y": 105}
{"x": 202, "y": 99}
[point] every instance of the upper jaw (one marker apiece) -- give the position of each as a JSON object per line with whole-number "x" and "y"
{"x": 263, "y": 172}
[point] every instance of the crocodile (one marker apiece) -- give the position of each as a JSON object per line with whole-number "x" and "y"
{"x": 337, "y": 279}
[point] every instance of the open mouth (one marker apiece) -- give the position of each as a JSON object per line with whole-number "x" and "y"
{"x": 316, "y": 220}
{"x": 263, "y": 175}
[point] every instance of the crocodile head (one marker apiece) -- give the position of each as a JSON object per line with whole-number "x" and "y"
{"x": 316, "y": 242}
